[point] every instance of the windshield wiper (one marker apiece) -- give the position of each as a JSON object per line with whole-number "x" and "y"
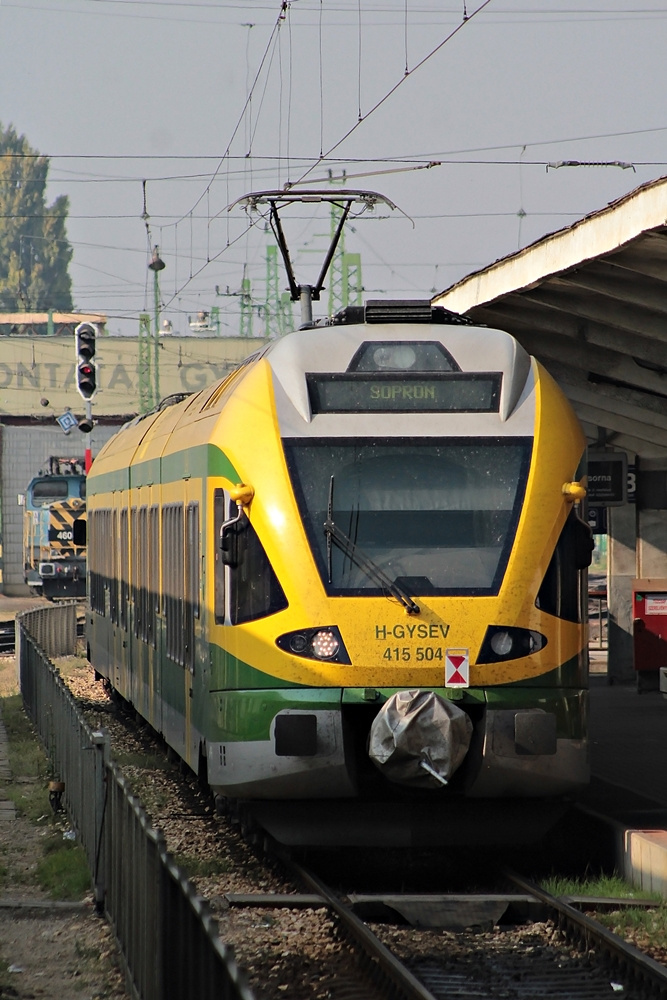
{"x": 360, "y": 559}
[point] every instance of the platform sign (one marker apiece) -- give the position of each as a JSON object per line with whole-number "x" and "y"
{"x": 457, "y": 668}
{"x": 607, "y": 478}
{"x": 655, "y": 604}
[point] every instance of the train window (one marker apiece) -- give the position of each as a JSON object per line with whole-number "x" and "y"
{"x": 219, "y": 570}
{"x": 97, "y": 559}
{"x": 114, "y": 584}
{"x": 153, "y": 582}
{"x": 173, "y": 581}
{"x": 562, "y": 591}
{"x": 192, "y": 577}
{"x": 254, "y": 588}
{"x": 403, "y": 355}
{"x": 123, "y": 569}
{"x": 79, "y": 531}
{"x": 82, "y": 488}
{"x": 432, "y": 516}
{"x": 140, "y": 557}
{"x": 135, "y": 549}
{"x": 48, "y": 490}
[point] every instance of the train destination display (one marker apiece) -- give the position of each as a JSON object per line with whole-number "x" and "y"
{"x": 477, "y": 392}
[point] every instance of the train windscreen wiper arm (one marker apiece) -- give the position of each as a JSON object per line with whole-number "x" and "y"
{"x": 360, "y": 559}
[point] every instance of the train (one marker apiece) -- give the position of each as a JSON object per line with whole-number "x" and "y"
{"x": 54, "y": 530}
{"x": 354, "y": 568}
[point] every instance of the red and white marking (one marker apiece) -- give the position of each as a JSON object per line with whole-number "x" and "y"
{"x": 457, "y": 668}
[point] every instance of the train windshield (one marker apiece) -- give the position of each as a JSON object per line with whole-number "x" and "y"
{"x": 434, "y": 516}
{"x": 48, "y": 490}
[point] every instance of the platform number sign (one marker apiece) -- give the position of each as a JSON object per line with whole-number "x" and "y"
{"x": 457, "y": 668}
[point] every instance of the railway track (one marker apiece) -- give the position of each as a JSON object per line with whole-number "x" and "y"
{"x": 518, "y": 945}
{"x": 7, "y": 640}
{"x": 547, "y": 946}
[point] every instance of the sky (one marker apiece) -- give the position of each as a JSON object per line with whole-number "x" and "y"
{"x": 157, "y": 115}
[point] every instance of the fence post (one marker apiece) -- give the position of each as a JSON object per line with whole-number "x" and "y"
{"x": 102, "y": 744}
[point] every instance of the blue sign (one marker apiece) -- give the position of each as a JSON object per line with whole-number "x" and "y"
{"x": 67, "y": 421}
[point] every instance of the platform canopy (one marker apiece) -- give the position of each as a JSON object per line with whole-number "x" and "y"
{"x": 590, "y": 302}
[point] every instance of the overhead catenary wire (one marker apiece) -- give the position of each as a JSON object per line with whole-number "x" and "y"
{"x": 255, "y": 161}
{"x": 392, "y": 90}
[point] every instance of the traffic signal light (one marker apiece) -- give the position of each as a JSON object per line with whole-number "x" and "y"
{"x": 86, "y": 369}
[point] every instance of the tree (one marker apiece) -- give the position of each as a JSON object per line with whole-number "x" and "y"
{"x": 34, "y": 249}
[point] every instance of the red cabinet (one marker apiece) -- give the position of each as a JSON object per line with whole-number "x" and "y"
{"x": 649, "y": 612}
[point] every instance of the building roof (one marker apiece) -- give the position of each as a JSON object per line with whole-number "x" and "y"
{"x": 590, "y": 302}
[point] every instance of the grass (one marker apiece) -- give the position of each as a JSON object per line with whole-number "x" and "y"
{"x": 609, "y": 886}
{"x": 26, "y": 757}
{"x": 63, "y": 871}
{"x": 638, "y": 924}
{"x": 27, "y": 762}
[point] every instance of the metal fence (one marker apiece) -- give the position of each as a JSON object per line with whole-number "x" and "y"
{"x": 167, "y": 936}
{"x": 598, "y": 618}
{"x": 53, "y": 628}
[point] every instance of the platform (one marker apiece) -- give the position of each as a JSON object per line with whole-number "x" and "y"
{"x": 628, "y": 752}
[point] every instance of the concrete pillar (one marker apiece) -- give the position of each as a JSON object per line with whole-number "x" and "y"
{"x": 621, "y": 571}
{"x": 651, "y": 543}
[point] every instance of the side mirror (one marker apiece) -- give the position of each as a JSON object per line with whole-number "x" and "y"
{"x": 231, "y": 539}
{"x": 583, "y": 544}
{"x": 21, "y": 499}
{"x": 232, "y": 532}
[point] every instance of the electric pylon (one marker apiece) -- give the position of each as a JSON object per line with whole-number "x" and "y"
{"x": 245, "y": 325}
{"x": 146, "y": 402}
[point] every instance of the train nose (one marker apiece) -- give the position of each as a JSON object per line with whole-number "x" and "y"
{"x": 419, "y": 739}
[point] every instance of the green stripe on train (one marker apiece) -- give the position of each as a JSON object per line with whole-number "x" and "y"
{"x": 247, "y": 715}
{"x": 197, "y": 462}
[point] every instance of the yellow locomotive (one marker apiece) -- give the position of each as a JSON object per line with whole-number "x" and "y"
{"x": 354, "y": 568}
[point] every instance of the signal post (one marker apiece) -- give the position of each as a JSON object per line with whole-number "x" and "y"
{"x": 86, "y": 379}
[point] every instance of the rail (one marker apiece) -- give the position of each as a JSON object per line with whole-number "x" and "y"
{"x": 168, "y": 939}
{"x": 647, "y": 977}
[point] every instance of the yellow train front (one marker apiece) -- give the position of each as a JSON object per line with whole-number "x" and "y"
{"x": 354, "y": 568}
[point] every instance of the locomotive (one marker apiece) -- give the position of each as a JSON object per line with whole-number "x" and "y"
{"x": 54, "y": 530}
{"x": 354, "y": 569}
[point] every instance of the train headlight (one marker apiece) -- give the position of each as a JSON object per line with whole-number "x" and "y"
{"x": 324, "y": 643}
{"x": 506, "y": 642}
{"x": 501, "y": 643}
{"x": 298, "y": 643}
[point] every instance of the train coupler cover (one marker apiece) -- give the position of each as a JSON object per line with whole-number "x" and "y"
{"x": 419, "y": 739}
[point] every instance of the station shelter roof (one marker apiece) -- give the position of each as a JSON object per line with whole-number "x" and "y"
{"x": 590, "y": 303}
